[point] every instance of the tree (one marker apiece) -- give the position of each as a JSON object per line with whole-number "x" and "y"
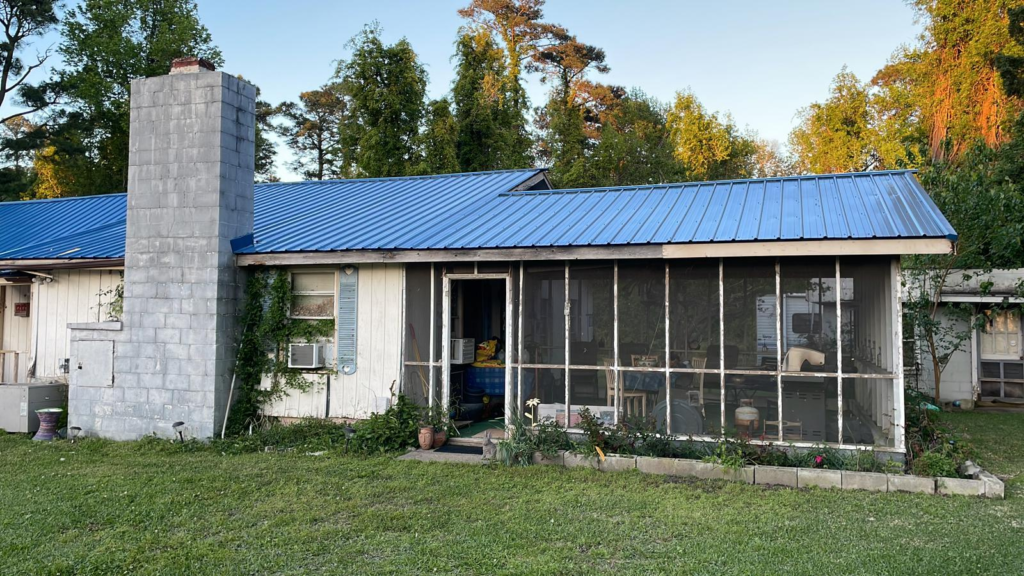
{"x": 1009, "y": 65}
{"x": 491, "y": 131}
{"x": 519, "y": 25}
{"x": 769, "y": 161}
{"x": 954, "y": 76}
{"x": 571, "y": 120}
{"x": 22, "y": 21}
{"x": 439, "y": 140}
{"x": 311, "y": 129}
{"x": 982, "y": 195}
{"x": 857, "y": 129}
{"x": 105, "y": 44}
{"x": 385, "y": 88}
{"x": 265, "y": 151}
{"x": 635, "y": 146}
{"x": 708, "y": 147}
{"x": 17, "y": 140}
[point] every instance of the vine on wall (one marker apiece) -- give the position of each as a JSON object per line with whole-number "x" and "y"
{"x": 263, "y": 350}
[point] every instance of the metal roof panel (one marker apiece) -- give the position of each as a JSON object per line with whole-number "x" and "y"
{"x": 484, "y": 210}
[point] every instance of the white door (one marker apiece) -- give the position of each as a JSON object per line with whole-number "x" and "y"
{"x": 16, "y": 332}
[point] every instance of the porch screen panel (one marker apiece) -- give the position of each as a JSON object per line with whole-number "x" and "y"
{"x": 810, "y": 390}
{"x": 642, "y": 358}
{"x": 591, "y": 333}
{"x": 869, "y": 404}
{"x": 869, "y": 351}
{"x": 868, "y": 316}
{"x": 543, "y": 358}
{"x": 416, "y": 383}
{"x": 748, "y": 287}
{"x": 693, "y": 330}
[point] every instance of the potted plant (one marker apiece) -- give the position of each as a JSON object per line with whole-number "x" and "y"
{"x": 439, "y": 420}
{"x": 426, "y": 436}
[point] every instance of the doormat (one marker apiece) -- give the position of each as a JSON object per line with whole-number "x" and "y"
{"x": 453, "y": 449}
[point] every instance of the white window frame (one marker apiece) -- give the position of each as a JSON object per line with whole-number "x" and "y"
{"x": 333, "y": 292}
{"x": 987, "y": 336}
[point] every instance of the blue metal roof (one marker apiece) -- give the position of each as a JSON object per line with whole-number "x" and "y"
{"x": 414, "y": 215}
{"x": 484, "y": 210}
{"x": 84, "y": 227}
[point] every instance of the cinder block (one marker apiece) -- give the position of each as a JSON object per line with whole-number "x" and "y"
{"x": 574, "y": 460}
{"x": 616, "y": 463}
{"x": 915, "y": 484}
{"x": 775, "y": 476}
{"x": 652, "y": 465}
{"x": 557, "y": 460}
{"x": 807, "y": 477}
{"x": 871, "y": 481}
{"x": 960, "y": 487}
{"x": 994, "y": 487}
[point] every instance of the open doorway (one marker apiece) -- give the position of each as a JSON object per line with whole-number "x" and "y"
{"x": 478, "y": 335}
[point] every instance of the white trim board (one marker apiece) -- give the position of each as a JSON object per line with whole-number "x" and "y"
{"x": 851, "y": 247}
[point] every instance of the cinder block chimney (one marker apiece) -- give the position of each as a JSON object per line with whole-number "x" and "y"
{"x": 190, "y": 192}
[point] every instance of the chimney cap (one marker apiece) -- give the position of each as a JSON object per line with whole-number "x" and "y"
{"x": 190, "y": 64}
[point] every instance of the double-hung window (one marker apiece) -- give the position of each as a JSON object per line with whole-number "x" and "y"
{"x": 312, "y": 295}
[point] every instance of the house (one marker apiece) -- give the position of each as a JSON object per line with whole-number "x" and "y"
{"x": 980, "y": 310}
{"x": 768, "y": 308}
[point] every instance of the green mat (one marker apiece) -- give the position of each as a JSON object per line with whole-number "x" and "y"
{"x": 478, "y": 427}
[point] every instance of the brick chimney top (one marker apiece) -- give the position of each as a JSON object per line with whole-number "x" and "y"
{"x": 190, "y": 64}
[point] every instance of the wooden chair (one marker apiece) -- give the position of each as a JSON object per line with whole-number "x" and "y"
{"x": 633, "y": 402}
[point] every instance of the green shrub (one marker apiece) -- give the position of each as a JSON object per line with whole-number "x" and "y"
{"x": 393, "y": 430}
{"x": 549, "y": 438}
{"x": 935, "y": 464}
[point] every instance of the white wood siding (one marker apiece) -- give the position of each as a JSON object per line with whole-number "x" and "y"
{"x": 73, "y": 296}
{"x": 17, "y": 332}
{"x": 378, "y": 355}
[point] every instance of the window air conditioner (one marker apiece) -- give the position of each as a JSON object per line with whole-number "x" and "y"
{"x": 306, "y": 355}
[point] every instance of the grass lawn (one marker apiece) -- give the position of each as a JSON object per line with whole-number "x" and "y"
{"x": 101, "y": 507}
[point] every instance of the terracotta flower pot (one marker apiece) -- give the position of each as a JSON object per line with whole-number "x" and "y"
{"x": 426, "y": 437}
{"x": 440, "y": 437}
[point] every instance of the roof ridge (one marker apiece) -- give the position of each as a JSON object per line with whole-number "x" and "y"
{"x": 602, "y": 189}
{"x": 63, "y": 199}
{"x": 396, "y": 178}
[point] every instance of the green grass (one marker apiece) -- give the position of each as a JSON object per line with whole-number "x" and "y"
{"x": 148, "y": 508}
{"x": 999, "y": 440}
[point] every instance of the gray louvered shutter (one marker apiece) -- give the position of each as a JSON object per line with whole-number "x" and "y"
{"x": 348, "y": 306}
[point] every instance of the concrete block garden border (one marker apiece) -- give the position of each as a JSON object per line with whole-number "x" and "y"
{"x": 985, "y": 484}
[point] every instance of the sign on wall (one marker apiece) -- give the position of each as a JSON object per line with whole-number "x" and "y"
{"x": 21, "y": 309}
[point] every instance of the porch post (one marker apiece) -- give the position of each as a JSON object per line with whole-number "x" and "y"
{"x": 668, "y": 353}
{"x": 433, "y": 321}
{"x": 839, "y": 345}
{"x": 615, "y": 338}
{"x": 446, "y": 339}
{"x": 778, "y": 341}
{"x": 568, "y": 403}
{"x": 721, "y": 340}
{"x": 899, "y": 412}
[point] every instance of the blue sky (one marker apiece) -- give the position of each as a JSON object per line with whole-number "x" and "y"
{"x": 761, "y": 61}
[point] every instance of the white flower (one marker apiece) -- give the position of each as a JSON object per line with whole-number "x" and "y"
{"x": 533, "y": 402}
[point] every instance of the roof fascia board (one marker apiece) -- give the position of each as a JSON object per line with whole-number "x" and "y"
{"x": 709, "y": 250}
{"x": 63, "y": 263}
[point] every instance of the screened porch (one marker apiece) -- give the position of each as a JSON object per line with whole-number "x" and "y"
{"x": 792, "y": 350}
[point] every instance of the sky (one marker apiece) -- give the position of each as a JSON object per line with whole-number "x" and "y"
{"x": 760, "y": 61}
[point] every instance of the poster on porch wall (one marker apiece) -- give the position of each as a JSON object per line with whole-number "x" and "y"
{"x": 556, "y": 413}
